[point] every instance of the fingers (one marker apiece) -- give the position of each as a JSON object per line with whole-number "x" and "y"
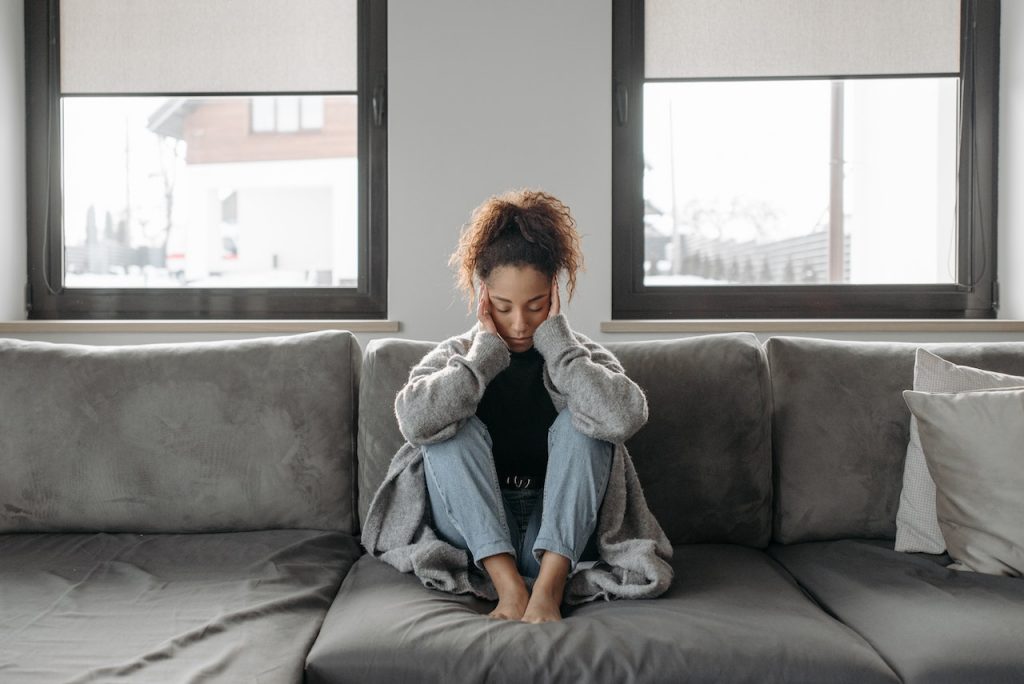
{"x": 482, "y": 305}
{"x": 555, "y": 301}
{"x": 483, "y": 310}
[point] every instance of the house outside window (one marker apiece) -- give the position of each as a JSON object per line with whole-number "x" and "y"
{"x": 231, "y": 179}
{"x": 810, "y": 158}
{"x": 286, "y": 114}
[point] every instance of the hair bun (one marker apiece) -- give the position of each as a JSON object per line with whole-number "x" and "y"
{"x": 519, "y": 220}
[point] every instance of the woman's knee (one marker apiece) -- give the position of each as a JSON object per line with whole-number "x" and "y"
{"x": 564, "y": 429}
{"x": 471, "y": 437}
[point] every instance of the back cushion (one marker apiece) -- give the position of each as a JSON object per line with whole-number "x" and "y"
{"x": 703, "y": 458}
{"x": 183, "y": 437}
{"x": 841, "y": 427}
{"x": 386, "y": 366}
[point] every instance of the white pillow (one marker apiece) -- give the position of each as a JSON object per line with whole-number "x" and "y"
{"x": 973, "y": 445}
{"x": 917, "y": 525}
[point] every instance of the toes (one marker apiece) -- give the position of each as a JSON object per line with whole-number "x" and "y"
{"x": 505, "y": 614}
{"x": 541, "y": 617}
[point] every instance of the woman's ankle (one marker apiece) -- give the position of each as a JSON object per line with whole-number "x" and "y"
{"x": 501, "y": 567}
{"x": 554, "y": 571}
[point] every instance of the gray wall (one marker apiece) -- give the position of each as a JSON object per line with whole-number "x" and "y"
{"x": 1011, "y": 160}
{"x": 488, "y": 96}
{"x": 12, "y": 161}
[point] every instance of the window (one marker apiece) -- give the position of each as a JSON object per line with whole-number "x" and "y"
{"x": 229, "y": 174}
{"x": 804, "y": 159}
{"x": 286, "y": 114}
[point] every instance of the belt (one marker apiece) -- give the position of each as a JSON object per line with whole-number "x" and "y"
{"x": 522, "y": 482}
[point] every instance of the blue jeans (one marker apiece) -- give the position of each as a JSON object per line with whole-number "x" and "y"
{"x": 472, "y": 512}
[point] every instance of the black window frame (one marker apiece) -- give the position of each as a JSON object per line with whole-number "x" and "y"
{"x": 48, "y": 298}
{"x": 975, "y": 295}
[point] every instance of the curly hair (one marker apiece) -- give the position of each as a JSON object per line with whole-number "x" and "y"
{"x": 518, "y": 228}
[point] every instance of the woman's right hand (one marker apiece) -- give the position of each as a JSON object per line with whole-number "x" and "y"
{"x": 483, "y": 311}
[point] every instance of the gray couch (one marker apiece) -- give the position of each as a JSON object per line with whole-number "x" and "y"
{"x": 173, "y": 512}
{"x": 189, "y": 513}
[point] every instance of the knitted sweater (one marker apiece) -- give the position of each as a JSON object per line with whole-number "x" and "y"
{"x": 443, "y": 391}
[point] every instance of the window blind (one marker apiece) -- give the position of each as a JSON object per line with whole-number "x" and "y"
{"x": 693, "y": 39}
{"x": 207, "y": 46}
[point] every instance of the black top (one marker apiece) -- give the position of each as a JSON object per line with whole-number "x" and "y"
{"x": 517, "y": 410}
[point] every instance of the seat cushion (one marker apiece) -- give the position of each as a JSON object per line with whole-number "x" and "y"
{"x": 220, "y": 607}
{"x": 732, "y": 615}
{"x": 931, "y": 624}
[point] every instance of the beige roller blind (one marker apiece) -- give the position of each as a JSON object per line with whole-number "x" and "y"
{"x": 779, "y": 38}
{"x": 207, "y": 46}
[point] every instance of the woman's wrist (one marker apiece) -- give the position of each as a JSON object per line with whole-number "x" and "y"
{"x": 553, "y": 336}
{"x": 488, "y": 354}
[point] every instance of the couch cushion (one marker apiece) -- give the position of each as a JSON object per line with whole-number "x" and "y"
{"x": 183, "y": 437}
{"x": 733, "y": 615}
{"x": 930, "y": 624}
{"x": 221, "y": 607}
{"x": 704, "y": 457}
{"x": 387, "y": 362}
{"x": 840, "y": 430}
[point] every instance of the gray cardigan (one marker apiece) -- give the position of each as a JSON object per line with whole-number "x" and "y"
{"x": 443, "y": 391}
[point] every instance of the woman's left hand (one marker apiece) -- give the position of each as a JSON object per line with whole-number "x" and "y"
{"x": 555, "y": 303}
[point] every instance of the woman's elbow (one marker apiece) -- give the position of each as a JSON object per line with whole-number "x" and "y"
{"x": 631, "y": 419}
{"x": 410, "y": 420}
{"x": 621, "y": 433}
{"x": 419, "y": 433}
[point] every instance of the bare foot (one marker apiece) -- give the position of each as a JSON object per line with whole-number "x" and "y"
{"x": 512, "y": 593}
{"x": 511, "y": 604}
{"x": 544, "y": 606}
{"x": 547, "y": 590}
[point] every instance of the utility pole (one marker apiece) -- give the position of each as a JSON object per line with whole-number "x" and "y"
{"x": 835, "y": 203}
{"x": 127, "y": 180}
{"x": 677, "y": 247}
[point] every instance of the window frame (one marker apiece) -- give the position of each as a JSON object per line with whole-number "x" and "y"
{"x": 976, "y": 211}
{"x": 46, "y": 296}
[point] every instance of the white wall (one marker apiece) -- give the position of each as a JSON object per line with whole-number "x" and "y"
{"x": 487, "y": 96}
{"x": 1011, "y": 160}
{"x": 12, "y": 161}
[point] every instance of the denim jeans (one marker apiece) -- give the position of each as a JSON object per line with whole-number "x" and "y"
{"x": 471, "y": 511}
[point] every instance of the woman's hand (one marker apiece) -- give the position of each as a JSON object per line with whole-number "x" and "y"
{"x": 483, "y": 311}
{"x": 555, "y": 302}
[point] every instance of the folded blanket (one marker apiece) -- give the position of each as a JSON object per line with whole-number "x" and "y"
{"x": 443, "y": 391}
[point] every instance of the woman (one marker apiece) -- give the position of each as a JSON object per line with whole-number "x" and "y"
{"x": 515, "y": 432}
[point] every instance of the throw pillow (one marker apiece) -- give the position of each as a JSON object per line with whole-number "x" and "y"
{"x": 917, "y": 527}
{"x": 974, "y": 448}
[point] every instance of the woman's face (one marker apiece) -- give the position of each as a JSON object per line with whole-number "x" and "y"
{"x": 520, "y": 300}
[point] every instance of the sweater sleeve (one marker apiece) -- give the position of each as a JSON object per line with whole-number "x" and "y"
{"x": 604, "y": 401}
{"x": 446, "y": 386}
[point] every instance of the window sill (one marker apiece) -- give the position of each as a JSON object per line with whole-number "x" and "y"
{"x": 812, "y": 325}
{"x": 189, "y": 326}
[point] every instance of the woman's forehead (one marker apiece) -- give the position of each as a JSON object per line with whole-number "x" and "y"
{"x": 517, "y": 282}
